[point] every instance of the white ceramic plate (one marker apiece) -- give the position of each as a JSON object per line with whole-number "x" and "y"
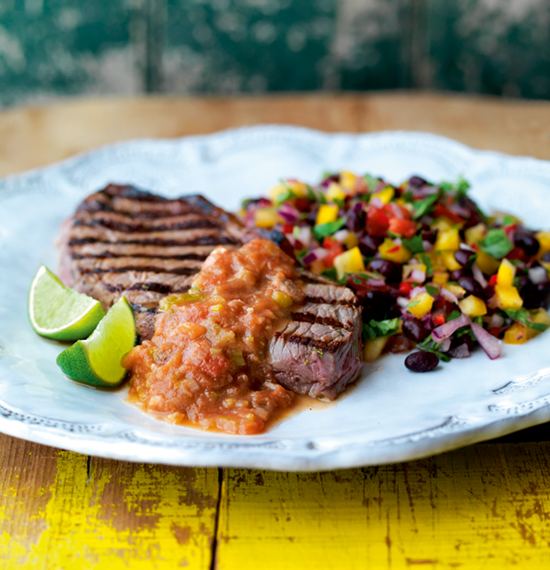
{"x": 391, "y": 415}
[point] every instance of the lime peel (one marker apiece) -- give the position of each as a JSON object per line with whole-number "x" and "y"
{"x": 59, "y": 313}
{"x": 97, "y": 360}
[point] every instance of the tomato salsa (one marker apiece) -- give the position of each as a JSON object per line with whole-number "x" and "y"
{"x": 206, "y": 362}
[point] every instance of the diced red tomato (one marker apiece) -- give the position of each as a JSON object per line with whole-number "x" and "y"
{"x": 493, "y": 280}
{"x": 389, "y": 209}
{"x": 377, "y": 222}
{"x": 405, "y": 288}
{"x": 509, "y": 230}
{"x": 495, "y": 331}
{"x": 288, "y": 228}
{"x": 405, "y": 228}
{"x": 441, "y": 210}
{"x": 334, "y": 249}
{"x": 439, "y": 319}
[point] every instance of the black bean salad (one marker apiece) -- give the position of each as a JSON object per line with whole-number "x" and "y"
{"x": 431, "y": 270}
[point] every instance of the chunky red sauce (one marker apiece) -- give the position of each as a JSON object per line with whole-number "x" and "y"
{"x": 206, "y": 361}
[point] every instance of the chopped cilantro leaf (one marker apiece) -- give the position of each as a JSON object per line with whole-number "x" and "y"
{"x": 424, "y": 206}
{"x": 428, "y": 263}
{"x": 331, "y": 273}
{"x": 454, "y": 315}
{"x": 508, "y": 220}
{"x": 414, "y": 245}
{"x": 522, "y": 315}
{"x": 432, "y": 290}
{"x": 375, "y": 329}
{"x": 323, "y": 230}
{"x": 496, "y": 244}
{"x": 371, "y": 181}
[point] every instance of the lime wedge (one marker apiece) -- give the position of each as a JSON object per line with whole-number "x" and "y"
{"x": 97, "y": 361}
{"x": 59, "y": 313}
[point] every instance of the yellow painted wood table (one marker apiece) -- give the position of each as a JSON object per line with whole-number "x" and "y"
{"x": 485, "y": 506}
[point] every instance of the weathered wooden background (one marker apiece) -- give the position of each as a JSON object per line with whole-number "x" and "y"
{"x": 52, "y": 48}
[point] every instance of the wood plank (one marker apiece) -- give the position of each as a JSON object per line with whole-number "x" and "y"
{"x": 36, "y": 136}
{"x": 484, "y": 506}
{"x": 60, "y": 510}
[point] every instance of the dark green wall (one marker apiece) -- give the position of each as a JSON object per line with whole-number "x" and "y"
{"x": 51, "y": 48}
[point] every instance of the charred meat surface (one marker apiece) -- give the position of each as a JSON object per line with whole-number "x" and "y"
{"x": 125, "y": 241}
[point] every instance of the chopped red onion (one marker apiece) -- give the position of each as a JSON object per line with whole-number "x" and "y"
{"x": 478, "y": 276}
{"x": 447, "y": 295}
{"x": 417, "y": 276}
{"x": 466, "y": 247}
{"x": 416, "y": 291}
{"x": 288, "y": 213}
{"x": 538, "y": 275}
{"x": 444, "y": 331}
{"x": 397, "y": 241}
{"x": 491, "y": 345}
{"x": 445, "y": 345}
{"x": 396, "y": 210}
{"x": 305, "y": 236}
{"x": 461, "y": 351}
{"x": 428, "y": 246}
{"x": 376, "y": 282}
{"x": 459, "y": 210}
{"x": 314, "y": 255}
{"x": 402, "y": 303}
{"x": 341, "y": 235}
{"x": 495, "y": 321}
{"x": 376, "y": 202}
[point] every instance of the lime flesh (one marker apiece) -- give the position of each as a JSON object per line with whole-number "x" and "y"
{"x": 97, "y": 360}
{"x": 59, "y": 313}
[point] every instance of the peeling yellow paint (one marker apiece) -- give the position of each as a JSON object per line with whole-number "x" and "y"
{"x": 135, "y": 521}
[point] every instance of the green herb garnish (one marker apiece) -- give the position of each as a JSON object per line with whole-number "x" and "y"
{"x": 496, "y": 244}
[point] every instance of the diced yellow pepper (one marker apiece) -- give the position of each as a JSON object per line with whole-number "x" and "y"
{"x": 348, "y": 180}
{"x": 385, "y": 195}
{"x": 447, "y": 240}
{"x": 351, "y": 240}
{"x": 335, "y": 192}
{"x": 508, "y": 297}
{"x": 282, "y": 299}
{"x": 350, "y": 261}
{"x": 265, "y": 217}
{"x": 298, "y": 188}
{"x": 420, "y": 305}
{"x": 540, "y": 317}
{"x": 489, "y": 265}
{"x": 475, "y": 233}
{"x": 390, "y": 251}
{"x": 455, "y": 290}
{"x": 449, "y": 261}
{"x": 440, "y": 277}
{"x": 506, "y": 273}
{"x": 516, "y": 334}
{"x": 373, "y": 348}
{"x": 442, "y": 223}
{"x": 544, "y": 242}
{"x": 473, "y": 306}
{"x": 408, "y": 269}
{"x": 327, "y": 213}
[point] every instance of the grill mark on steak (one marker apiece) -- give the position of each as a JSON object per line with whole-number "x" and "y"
{"x": 204, "y": 240}
{"x": 111, "y": 255}
{"x": 143, "y": 228}
{"x": 144, "y": 268}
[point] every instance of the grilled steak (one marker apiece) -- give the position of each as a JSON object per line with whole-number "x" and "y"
{"x": 125, "y": 241}
{"x": 319, "y": 351}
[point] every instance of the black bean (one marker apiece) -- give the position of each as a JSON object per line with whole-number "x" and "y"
{"x": 390, "y": 270}
{"x": 471, "y": 286}
{"x": 421, "y": 361}
{"x": 534, "y": 296}
{"x": 415, "y": 330}
{"x": 527, "y": 241}
{"x": 368, "y": 245}
{"x": 376, "y": 305}
{"x": 429, "y": 235}
{"x": 463, "y": 257}
{"x": 458, "y": 273}
{"x": 417, "y": 182}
